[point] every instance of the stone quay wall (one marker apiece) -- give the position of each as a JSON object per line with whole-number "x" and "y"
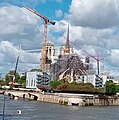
{"x": 65, "y": 98}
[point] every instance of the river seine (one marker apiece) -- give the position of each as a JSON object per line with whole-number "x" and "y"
{"x": 35, "y": 110}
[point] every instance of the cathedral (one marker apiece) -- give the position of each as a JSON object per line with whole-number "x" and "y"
{"x": 69, "y": 66}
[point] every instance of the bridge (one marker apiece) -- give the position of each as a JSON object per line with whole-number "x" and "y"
{"x": 20, "y": 94}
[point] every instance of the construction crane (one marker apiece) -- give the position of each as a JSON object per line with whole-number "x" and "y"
{"x": 46, "y": 20}
{"x": 97, "y": 58}
{"x": 17, "y": 62}
{"x": 15, "y": 71}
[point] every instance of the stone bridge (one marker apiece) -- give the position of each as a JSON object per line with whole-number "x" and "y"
{"x": 20, "y": 94}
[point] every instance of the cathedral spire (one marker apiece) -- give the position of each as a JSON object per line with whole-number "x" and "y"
{"x": 67, "y": 49}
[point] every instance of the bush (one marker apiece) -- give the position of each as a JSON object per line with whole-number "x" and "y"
{"x": 63, "y": 86}
{"x": 54, "y": 84}
{"x": 110, "y": 88}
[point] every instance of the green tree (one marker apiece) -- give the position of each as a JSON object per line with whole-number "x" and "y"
{"x": 65, "y": 86}
{"x": 74, "y": 83}
{"x": 110, "y": 88}
{"x": 9, "y": 77}
{"x": 117, "y": 88}
{"x": 23, "y": 81}
{"x": 54, "y": 84}
{"x": 2, "y": 83}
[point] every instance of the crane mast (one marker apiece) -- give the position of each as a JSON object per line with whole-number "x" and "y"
{"x": 46, "y": 20}
{"x": 14, "y": 78}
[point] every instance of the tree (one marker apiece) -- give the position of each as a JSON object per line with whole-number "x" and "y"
{"x": 74, "y": 87}
{"x": 23, "y": 81}
{"x": 110, "y": 88}
{"x": 117, "y": 88}
{"x": 2, "y": 82}
{"x": 9, "y": 77}
{"x": 54, "y": 84}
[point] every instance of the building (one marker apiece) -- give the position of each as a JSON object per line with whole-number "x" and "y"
{"x": 43, "y": 78}
{"x": 50, "y": 56}
{"x": 69, "y": 66}
{"x": 98, "y": 81}
{"x": 50, "y": 52}
{"x": 106, "y": 76}
{"x": 66, "y": 50}
{"x": 33, "y": 79}
{"x": 95, "y": 80}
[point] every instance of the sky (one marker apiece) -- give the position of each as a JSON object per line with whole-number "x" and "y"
{"x": 94, "y": 27}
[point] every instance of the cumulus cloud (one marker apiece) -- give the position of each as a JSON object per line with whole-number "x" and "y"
{"x": 19, "y": 27}
{"x": 94, "y": 13}
{"x": 114, "y": 57}
{"x": 8, "y": 59}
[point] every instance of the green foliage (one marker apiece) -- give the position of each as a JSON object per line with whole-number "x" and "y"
{"x": 110, "y": 88}
{"x": 23, "y": 81}
{"x": 2, "y": 83}
{"x": 78, "y": 87}
{"x": 23, "y": 78}
{"x": 54, "y": 84}
{"x": 74, "y": 83}
{"x": 117, "y": 88}
{"x": 74, "y": 87}
{"x": 9, "y": 77}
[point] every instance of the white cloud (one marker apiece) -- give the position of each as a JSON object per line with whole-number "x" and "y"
{"x": 9, "y": 54}
{"x": 58, "y": 13}
{"x": 114, "y": 57}
{"x": 94, "y": 13}
{"x": 19, "y": 26}
{"x": 15, "y": 22}
{"x": 59, "y": 26}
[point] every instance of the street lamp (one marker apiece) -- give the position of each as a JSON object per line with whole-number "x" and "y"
{"x": 3, "y": 107}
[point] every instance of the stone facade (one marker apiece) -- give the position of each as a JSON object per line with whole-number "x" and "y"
{"x": 68, "y": 66}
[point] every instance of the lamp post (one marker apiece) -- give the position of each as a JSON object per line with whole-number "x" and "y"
{"x": 3, "y": 107}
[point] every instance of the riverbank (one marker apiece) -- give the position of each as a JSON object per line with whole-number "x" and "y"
{"x": 65, "y": 98}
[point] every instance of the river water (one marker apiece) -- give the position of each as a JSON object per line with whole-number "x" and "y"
{"x": 35, "y": 110}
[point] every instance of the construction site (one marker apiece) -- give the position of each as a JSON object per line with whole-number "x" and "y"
{"x": 59, "y": 59}
{"x": 68, "y": 66}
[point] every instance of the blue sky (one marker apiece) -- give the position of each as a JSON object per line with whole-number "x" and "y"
{"x": 90, "y": 29}
{"x": 45, "y": 7}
